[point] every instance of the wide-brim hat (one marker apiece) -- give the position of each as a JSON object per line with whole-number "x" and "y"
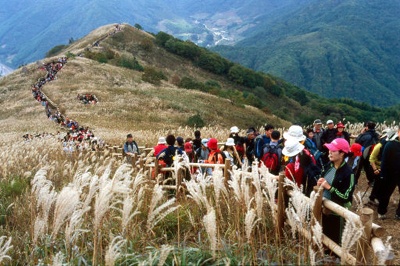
{"x": 234, "y": 129}
{"x": 292, "y": 148}
{"x": 230, "y": 142}
{"x": 161, "y": 140}
{"x": 294, "y": 132}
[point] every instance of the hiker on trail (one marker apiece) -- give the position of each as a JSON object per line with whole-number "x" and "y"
{"x": 231, "y": 154}
{"x": 272, "y": 153}
{"x": 292, "y": 170}
{"x": 341, "y": 133}
{"x": 188, "y": 148}
{"x": 375, "y": 162}
{"x": 130, "y": 148}
{"x": 180, "y": 143}
{"x": 168, "y": 154}
{"x": 353, "y": 160}
{"x": 338, "y": 185}
{"x": 239, "y": 141}
{"x": 311, "y": 146}
{"x": 215, "y": 156}
{"x": 249, "y": 145}
{"x": 390, "y": 171}
{"x": 201, "y": 155}
{"x": 329, "y": 132}
{"x": 161, "y": 145}
{"x": 197, "y": 140}
{"x": 262, "y": 140}
{"x": 367, "y": 139}
{"x": 302, "y": 166}
{"x": 318, "y": 131}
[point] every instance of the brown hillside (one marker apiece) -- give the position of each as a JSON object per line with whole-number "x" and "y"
{"x": 126, "y": 102}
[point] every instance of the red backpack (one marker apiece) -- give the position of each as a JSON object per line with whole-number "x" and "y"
{"x": 271, "y": 159}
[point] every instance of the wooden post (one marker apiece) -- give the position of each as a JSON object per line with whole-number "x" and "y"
{"x": 227, "y": 168}
{"x": 179, "y": 179}
{"x": 379, "y": 250}
{"x": 156, "y": 169}
{"x": 141, "y": 162}
{"x": 281, "y": 205}
{"x": 363, "y": 244}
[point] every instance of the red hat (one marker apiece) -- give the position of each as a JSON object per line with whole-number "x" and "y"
{"x": 212, "y": 144}
{"x": 338, "y": 145}
{"x": 340, "y": 125}
{"x": 356, "y": 149}
{"x": 188, "y": 147}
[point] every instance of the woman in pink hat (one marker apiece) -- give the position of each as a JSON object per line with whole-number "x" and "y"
{"x": 338, "y": 184}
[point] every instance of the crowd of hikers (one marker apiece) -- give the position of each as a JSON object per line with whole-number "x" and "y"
{"x": 87, "y": 98}
{"x": 317, "y": 156}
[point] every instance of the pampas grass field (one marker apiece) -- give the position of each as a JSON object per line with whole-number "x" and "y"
{"x": 91, "y": 209}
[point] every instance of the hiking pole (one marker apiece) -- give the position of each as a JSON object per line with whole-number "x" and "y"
{"x": 365, "y": 192}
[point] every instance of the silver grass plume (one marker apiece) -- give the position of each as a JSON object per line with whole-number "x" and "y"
{"x": 197, "y": 191}
{"x": 383, "y": 256}
{"x": 114, "y": 250}
{"x": 210, "y": 224}
{"x": 58, "y": 259}
{"x": 67, "y": 202}
{"x": 351, "y": 234}
{"x": 73, "y": 228}
{"x": 5, "y": 246}
{"x": 258, "y": 195}
{"x": 219, "y": 186}
{"x": 250, "y": 222}
{"x": 156, "y": 214}
{"x": 164, "y": 252}
{"x": 271, "y": 186}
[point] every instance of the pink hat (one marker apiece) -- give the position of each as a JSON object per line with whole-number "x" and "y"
{"x": 356, "y": 149}
{"x": 338, "y": 145}
{"x": 212, "y": 144}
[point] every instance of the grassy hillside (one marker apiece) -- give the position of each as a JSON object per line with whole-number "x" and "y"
{"x": 333, "y": 48}
{"x": 126, "y": 102}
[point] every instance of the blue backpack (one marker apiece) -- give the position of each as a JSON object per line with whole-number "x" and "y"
{"x": 260, "y": 141}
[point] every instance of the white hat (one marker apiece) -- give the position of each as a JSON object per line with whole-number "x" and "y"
{"x": 292, "y": 147}
{"x": 295, "y": 132}
{"x": 161, "y": 140}
{"x": 329, "y": 122}
{"x": 234, "y": 129}
{"x": 230, "y": 142}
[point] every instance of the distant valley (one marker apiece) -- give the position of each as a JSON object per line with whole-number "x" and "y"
{"x": 347, "y": 49}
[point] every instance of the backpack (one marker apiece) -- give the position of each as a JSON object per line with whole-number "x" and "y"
{"x": 216, "y": 156}
{"x": 313, "y": 149}
{"x": 259, "y": 144}
{"x": 271, "y": 158}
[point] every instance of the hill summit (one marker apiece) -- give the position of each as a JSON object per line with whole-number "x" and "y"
{"x": 156, "y": 82}
{"x": 126, "y": 101}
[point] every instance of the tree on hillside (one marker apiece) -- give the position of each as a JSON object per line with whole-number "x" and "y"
{"x": 138, "y": 26}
